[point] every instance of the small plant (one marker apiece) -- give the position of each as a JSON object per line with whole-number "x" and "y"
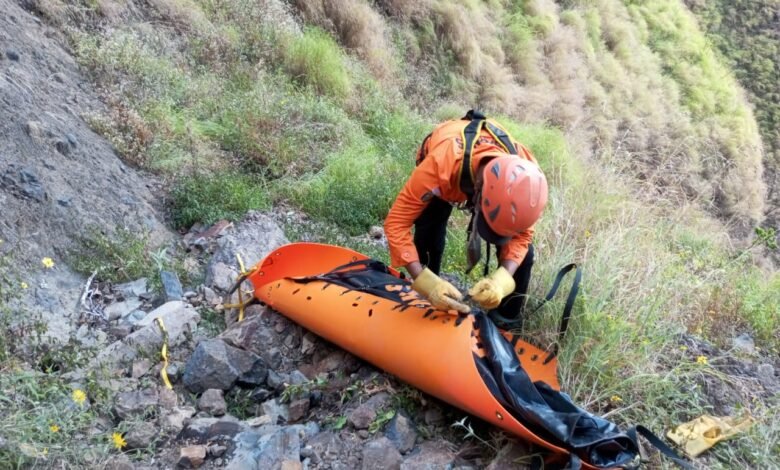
{"x": 293, "y": 391}
{"x": 382, "y": 418}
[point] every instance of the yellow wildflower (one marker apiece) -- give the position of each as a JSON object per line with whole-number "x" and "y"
{"x": 24, "y": 285}
{"x": 47, "y": 262}
{"x": 683, "y": 348}
{"x": 587, "y": 234}
{"x": 701, "y": 360}
{"x": 615, "y": 399}
{"x": 119, "y": 441}
{"x": 54, "y": 428}
{"x": 79, "y": 396}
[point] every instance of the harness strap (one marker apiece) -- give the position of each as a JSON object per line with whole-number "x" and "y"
{"x": 656, "y": 442}
{"x": 575, "y": 288}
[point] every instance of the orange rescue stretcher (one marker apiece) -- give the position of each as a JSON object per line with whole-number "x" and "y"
{"x": 465, "y": 360}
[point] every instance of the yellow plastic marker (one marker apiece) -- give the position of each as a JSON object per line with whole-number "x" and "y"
{"x": 164, "y": 353}
{"x": 704, "y": 432}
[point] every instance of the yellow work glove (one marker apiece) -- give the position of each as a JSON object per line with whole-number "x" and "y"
{"x": 705, "y": 431}
{"x": 489, "y": 292}
{"x": 439, "y": 292}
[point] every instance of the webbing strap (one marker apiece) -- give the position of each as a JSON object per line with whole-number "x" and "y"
{"x": 470, "y": 133}
{"x": 470, "y": 138}
{"x": 575, "y": 288}
{"x": 658, "y": 444}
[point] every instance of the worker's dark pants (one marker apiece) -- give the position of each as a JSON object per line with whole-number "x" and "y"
{"x": 430, "y": 230}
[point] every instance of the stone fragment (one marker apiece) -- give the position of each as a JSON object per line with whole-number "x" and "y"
{"x": 141, "y": 435}
{"x": 137, "y": 403}
{"x": 381, "y": 454}
{"x": 12, "y": 55}
{"x": 171, "y": 286}
{"x": 744, "y": 343}
{"x": 259, "y": 450}
{"x": 432, "y": 455}
{"x": 362, "y": 416}
{"x": 220, "y": 276}
{"x": 191, "y": 457}
{"x": 401, "y": 432}
{"x": 63, "y": 147}
{"x": 174, "y": 421}
{"x": 298, "y": 409}
{"x": 213, "y": 402}
{"x": 134, "y": 288}
{"x": 308, "y": 343}
{"x": 121, "y": 309}
{"x": 291, "y": 465}
{"x": 276, "y": 411}
{"x": 508, "y": 455}
{"x": 376, "y": 232}
{"x": 140, "y": 368}
{"x": 766, "y": 375}
{"x": 214, "y": 364}
{"x": 203, "y": 430}
{"x": 216, "y": 450}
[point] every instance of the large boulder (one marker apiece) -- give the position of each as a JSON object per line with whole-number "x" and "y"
{"x": 253, "y": 238}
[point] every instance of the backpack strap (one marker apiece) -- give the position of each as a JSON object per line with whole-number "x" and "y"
{"x": 470, "y": 136}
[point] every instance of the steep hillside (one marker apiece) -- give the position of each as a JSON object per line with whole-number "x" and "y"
{"x": 747, "y": 33}
{"x": 312, "y": 111}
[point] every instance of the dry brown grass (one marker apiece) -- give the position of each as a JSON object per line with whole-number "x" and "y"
{"x": 359, "y": 27}
{"x": 406, "y": 10}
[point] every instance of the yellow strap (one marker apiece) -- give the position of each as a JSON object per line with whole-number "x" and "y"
{"x": 241, "y": 304}
{"x": 164, "y": 353}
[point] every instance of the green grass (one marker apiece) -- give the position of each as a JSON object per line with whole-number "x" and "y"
{"x": 209, "y": 198}
{"x": 314, "y": 59}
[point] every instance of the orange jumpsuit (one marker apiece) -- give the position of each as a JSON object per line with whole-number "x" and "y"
{"x": 437, "y": 175}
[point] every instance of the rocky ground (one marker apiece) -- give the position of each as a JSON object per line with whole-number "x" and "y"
{"x": 265, "y": 393}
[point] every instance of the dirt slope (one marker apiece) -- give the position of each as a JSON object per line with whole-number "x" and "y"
{"x": 57, "y": 177}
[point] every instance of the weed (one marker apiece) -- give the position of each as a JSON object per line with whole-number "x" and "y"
{"x": 125, "y": 256}
{"x": 382, "y": 418}
{"x": 294, "y": 391}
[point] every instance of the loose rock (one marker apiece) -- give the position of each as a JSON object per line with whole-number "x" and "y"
{"x": 380, "y": 454}
{"x": 141, "y": 435}
{"x": 362, "y": 416}
{"x": 174, "y": 421}
{"x": 214, "y": 364}
{"x": 136, "y": 403}
{"x": 205, "y": 429}
{"x": 432, "y": 455}
{"x": 401, "y": 433}
{"x": 191, "y": 456}
{"x": 276, "y": 411}
{"x": 171, "y": 286}
{"x": 213, "y": 402}
{"x": 298, "y": 409}
{"x": 744, "y": 343}
{"x": 258, "y": 450}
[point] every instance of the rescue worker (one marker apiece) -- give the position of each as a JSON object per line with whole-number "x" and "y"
{"x": 471, "y": 162}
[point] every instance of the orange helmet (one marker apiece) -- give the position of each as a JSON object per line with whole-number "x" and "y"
{"x": 514, "y": 193}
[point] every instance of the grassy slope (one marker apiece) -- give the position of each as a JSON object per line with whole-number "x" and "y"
{"x": 637, "y": 122}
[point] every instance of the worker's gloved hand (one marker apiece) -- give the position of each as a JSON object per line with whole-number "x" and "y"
{"x": 489, "y": 292}
{"x": 439, "y": 292}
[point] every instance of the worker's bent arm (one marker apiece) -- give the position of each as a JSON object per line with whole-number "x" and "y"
{"x": 421, "y": 187}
